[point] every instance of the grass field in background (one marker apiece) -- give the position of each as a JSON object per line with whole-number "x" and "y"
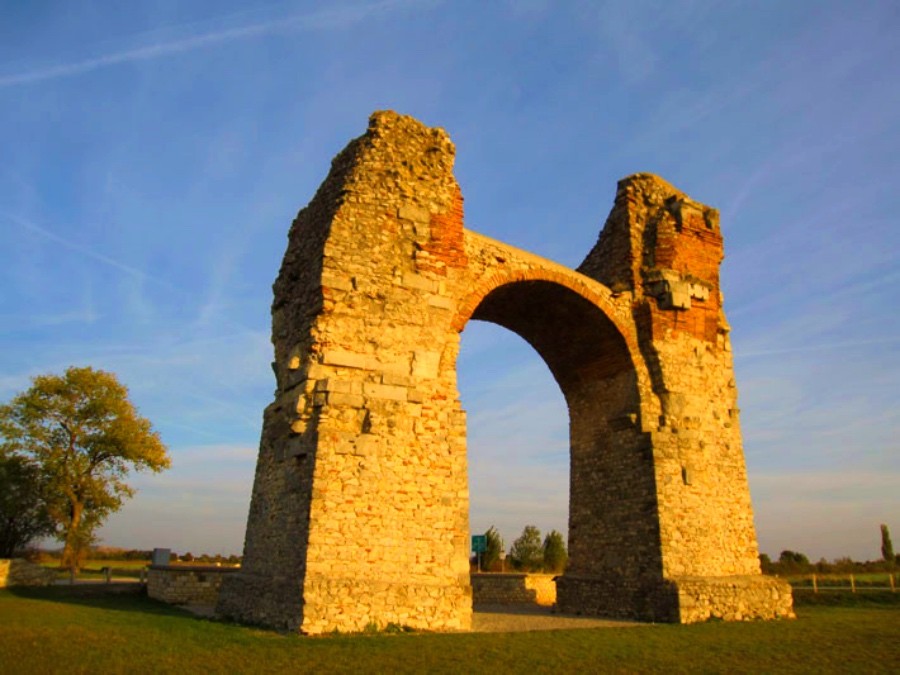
{"x": 93, "y": 569}
{"x": 51, "y": 630}
{"x": 840, "y": 580}
{"x": 124, "y": 564}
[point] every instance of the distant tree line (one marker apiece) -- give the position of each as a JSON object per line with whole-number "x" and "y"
{"x": 206, "y": 558}
{"x": 794, "y": 562}
{"x": 528, "y": 553}
{"x": 108, "y": 553}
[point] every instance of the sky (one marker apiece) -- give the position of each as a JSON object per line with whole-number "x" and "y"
{"x": 154, "y": 154}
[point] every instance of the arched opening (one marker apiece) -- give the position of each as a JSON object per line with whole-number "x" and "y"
{"x": 612, "y": 531}
{"x": 517, "y": 434}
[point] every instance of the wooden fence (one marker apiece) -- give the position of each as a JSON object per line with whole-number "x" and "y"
{"x": 867, "y": 581}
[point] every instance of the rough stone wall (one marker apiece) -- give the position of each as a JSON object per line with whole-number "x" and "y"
{"x": 181, "y": 585}
{"x": 501, "y": 589}
{"x": 664, "y": 250}
{"x": 734, "y": 598}
{"x": 20, "y": 572}
{"x": 705, "y": 512}
{"x": 359, "y": 513}
{"x": 361, "y": 482}
{"x": 514, "y": 589}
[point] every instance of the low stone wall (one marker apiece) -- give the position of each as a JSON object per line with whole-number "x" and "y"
{"x": 544, "y": 586}
{"x": 612, "y": 597}
{"x": 510, "y": 589}
{"x": 20, "y": 572}
{"x": 186, "y": 585}
{"x": 734, "y": 598}
{"x": 678, "y": 600}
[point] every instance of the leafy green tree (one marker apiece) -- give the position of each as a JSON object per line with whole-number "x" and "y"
{"x": 554, "y": 552}
{"x": 84, "y": 435}
{"x": 526, "y": 553}
{"x": 887, "y": 547}
{"x": 490, "y": 559}
{"x": 793, "y": 561}
{"x": 765, "y": 563}
{"x": 23, "y": 515}
{"x": 844, "y": 565}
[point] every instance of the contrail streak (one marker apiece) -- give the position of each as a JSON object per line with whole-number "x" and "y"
{"x": 847, "y": 344}
{"x": 323, "y": 20}
{"x": 85, "y": 251}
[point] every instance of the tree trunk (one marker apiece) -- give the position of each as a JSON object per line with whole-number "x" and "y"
{"x": 71, "y": 556}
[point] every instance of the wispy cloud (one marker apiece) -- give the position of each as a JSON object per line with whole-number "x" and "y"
{"x": 15, "y": 323}
{"x": 86, "y": 313}
{"x": 333, "y": 18}
{"x": 828, "y": 346}
{"x": 136, "y": 298}
{"x": 85, "y": 250}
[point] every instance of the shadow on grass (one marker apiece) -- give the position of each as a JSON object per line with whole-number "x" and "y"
{"x": 115, "y": 597}
{"x": 866, "y": 599}
{"x": 132, "y": 599}
{"x": 525, "y": 608}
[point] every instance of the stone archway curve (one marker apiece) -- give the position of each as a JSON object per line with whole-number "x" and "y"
{"x": 619, "y": 333}
{"x": 566, "y": 319}
{"x": 589, "y": 289}
{"x": 359, "y": 511}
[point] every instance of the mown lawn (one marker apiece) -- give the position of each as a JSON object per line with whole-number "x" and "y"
{"x": 51, "y": 630}
{"x": 93, "y": 569}
{"x": 862, "y": 580}
{"x": 97, "y": 564}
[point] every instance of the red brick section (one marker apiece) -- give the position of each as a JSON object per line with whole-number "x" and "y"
{"x": 694, "y": 249}
{"x": 446, "y": 248}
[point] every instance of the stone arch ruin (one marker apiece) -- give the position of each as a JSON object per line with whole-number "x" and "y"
{"x": 359, "y": 513}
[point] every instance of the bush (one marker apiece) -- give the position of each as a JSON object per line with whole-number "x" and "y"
{"x": 555, "y": 554}
{"x": 527, "y": 553}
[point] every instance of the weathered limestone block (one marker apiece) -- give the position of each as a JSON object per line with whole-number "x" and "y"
{"x": 359, "y": 513}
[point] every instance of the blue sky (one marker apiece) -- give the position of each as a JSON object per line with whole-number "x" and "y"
{"x": 155, "y": 153}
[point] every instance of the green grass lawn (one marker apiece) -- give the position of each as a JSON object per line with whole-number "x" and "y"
{"x": 93, "y": 569}
{"x": 862, "y": 580}
{"x": 125, "y": 564}
{"x": 51, "y": 630}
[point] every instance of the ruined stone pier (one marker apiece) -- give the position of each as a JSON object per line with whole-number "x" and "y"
{"x": 360, "y": 504}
